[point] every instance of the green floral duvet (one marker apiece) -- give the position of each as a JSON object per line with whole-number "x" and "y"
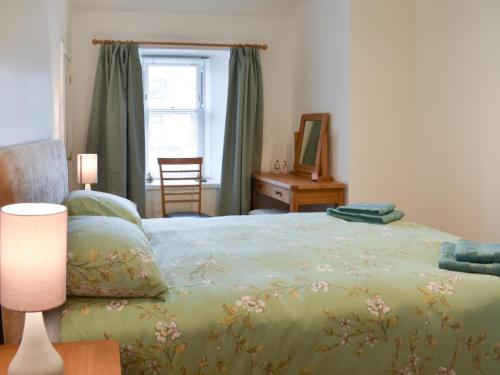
{"x": 299, "y": 294}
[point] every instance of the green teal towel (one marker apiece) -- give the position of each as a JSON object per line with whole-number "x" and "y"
{"x": 449, "y": 262}
{"x": 368, "y": 208}
{"x": 469, "y": 251}
{"x": 365, "y": 218}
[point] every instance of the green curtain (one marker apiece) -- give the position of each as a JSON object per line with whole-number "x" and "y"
{"x": 243, "y": 134}
{"x": 116, "y": 129}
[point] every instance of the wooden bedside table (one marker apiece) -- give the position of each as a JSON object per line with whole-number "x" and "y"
{"x": 297, "y": 190}
{"x": 80, "y": 358}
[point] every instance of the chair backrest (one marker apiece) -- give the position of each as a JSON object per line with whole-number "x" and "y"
{"x": 180, "y": 181}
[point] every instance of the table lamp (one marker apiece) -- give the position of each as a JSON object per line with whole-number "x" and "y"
{"x": 87, "y": 169}
{"x": 33, "y": 239}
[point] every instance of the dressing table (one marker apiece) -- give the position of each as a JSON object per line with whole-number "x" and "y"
{"x": 311, "y": 161}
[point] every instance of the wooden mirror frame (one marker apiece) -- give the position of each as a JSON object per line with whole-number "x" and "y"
{"x": 321, "y": 165}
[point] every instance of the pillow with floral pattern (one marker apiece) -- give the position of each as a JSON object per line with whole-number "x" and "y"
{"x": 110, "y": 257}
{"x": 97, "y": 203}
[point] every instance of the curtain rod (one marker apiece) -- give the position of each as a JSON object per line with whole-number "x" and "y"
{"x": 185, "y": 44}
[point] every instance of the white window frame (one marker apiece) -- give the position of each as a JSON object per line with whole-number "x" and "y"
{"x": 199, "y": 62}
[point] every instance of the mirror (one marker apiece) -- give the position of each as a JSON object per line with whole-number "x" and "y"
{"x": 310, "y": 143}
{"x": 311, "y": 146}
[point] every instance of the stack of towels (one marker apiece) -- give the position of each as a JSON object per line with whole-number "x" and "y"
{"x": 469, "y": 256}
{"x": 372, "y": 213}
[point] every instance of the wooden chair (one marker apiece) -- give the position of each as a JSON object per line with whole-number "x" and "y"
{"x": 178, "y": 174}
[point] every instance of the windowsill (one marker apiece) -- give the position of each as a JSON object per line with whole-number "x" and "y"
{"x": 209, "y": 184}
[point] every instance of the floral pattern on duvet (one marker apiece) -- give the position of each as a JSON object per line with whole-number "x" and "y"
{"x": 299, "y": 294}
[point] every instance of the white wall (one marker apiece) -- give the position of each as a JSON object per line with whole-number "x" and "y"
{"x": 381, "y": 103}
{"x": 30, "y": 69}
{"x": 458, "y": 116}
{"x": 355, "y": 60}
{"x": 215, "y": 114}
{"x": 424, "y": 119}
{"x": 188, "y": 27}
{"x": 320, "y": 73}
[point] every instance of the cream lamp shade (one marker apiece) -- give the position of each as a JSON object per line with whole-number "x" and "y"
{"x": 33, "y": 240}
{"x": 87, "y": 168}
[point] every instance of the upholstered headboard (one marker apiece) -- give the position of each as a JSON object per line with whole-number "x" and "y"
{"x": 35, "y": 172}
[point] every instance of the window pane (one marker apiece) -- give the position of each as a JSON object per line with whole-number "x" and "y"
{"x": 171, "y": 135}
{"x": 172, "y": 87}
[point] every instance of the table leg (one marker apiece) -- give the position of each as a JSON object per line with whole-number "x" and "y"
{"x": 254, "y": 198}
{"x": 342, "y": 197}
{"x": 294, "y": 207}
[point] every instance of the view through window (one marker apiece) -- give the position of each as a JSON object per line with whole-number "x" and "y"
{"x": 174, "y": 109}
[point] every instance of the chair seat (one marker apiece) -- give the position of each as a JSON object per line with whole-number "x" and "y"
{"x": 186, "y": 214}
{"x": 267, "y": 211}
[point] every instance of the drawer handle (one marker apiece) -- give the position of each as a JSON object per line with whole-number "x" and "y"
{"x": 278, "y": 193}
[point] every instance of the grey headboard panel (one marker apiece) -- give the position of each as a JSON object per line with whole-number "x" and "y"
{"x": 35, "y": 172}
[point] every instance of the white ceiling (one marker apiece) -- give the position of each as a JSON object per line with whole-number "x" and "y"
{"x": 277, "y": 8}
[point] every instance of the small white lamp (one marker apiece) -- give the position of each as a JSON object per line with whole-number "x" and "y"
{"x": 33, "y": 239}
{"x": 87, "y": 169}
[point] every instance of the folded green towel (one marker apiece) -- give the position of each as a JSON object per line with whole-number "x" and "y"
{"x": 365, "y": 218}
{"x": 368, "y": 208}
{"x": 449, "y": 262}
{"x": 470, "y": 251}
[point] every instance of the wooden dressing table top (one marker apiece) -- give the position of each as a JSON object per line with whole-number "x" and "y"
{"x": 295, "y": 182}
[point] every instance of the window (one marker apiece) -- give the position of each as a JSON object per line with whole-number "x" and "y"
{"x": 174, "y": 108}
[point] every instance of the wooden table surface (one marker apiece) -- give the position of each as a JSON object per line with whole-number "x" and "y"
{"x": 80, "y": 358}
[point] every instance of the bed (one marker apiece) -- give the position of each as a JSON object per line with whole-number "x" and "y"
{"x": 298, "y": 294}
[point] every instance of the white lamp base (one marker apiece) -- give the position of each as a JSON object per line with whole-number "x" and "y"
{"x": 36, "y": 355}
{"x": 87, "y": 187}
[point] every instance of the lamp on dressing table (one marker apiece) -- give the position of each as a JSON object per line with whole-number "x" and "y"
{"x": 311, "y": 162}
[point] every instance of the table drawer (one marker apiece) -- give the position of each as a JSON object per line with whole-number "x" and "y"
{"x": 319, "y": 197}
{"x": 272, "y": 191}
